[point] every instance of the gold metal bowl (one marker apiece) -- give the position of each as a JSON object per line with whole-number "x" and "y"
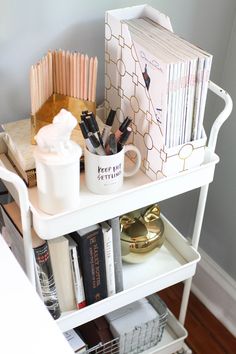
{"x": 141, "y": 234}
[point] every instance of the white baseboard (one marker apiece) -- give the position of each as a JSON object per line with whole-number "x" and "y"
{"x": 216, "y": 290}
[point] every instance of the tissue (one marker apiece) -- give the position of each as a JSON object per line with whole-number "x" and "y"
{"x": 55, "y": 137}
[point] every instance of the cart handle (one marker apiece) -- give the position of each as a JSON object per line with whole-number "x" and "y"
{"x": 25, "y": 218}
{"x": 224, "y": 114}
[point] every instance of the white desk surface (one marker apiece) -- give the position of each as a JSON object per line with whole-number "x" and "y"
{"x": 25, "y": 324}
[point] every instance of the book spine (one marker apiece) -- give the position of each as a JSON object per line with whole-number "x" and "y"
{"x": 109, "y": 260}
{"x": 46, "y": 279}
{"x": 91, "y": 248}
{"x": 115, "y": 225}
{"x": 77, "y": 278}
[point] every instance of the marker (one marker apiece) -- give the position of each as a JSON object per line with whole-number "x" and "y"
{"x": 123, "y": 139}
{"x": 85, "y": 132}
{"x": 122, "y": 128}
{"x": 96, "y": 144}
{"x": 93, "y": 127}
{"x": 108, "y": 125}
{"x": 111, "y": 147}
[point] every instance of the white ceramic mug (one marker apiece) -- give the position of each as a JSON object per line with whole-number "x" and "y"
{"x": 105, "y": 174}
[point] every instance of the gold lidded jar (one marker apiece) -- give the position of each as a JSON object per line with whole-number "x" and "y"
{"x": 142, "y": 233}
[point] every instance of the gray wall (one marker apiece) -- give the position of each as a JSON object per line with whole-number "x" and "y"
{"x": 29, "y": 28}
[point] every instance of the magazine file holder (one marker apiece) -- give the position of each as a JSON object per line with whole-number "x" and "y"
{"x": 125, "y": 91}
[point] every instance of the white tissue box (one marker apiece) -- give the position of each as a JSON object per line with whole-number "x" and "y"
{"x": 136, "y": 325}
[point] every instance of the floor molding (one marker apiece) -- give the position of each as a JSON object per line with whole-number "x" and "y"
{"x": 216, "y": 290}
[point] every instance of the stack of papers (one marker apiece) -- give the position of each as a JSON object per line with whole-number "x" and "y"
{"x": 176, "y": 74}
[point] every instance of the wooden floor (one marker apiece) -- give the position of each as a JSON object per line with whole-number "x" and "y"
{"x": 206, "y": 335}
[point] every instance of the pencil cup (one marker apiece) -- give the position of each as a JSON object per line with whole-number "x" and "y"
{"x": 105, "y": 174}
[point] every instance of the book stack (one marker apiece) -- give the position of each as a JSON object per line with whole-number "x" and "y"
{"x": 83, "y": 265}
{"x": 73, "y": 270}
{"x": 160, "y": 81}
{"x": 176, "y": 75}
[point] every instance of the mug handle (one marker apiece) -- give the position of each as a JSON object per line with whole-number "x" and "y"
{"x": 138, "y": 160}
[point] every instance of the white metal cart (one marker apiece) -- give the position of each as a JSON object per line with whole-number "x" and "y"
{"x": 174, "y": 262}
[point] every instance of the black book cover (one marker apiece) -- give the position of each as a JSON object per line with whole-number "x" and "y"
{"x": 46, "y": 279}
{"x": 91, "y": 250}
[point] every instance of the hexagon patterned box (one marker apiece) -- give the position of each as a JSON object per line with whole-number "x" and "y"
{"x": 127, "y": 91}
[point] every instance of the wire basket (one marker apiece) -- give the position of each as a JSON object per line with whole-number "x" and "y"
{"x": 142, "y": 337}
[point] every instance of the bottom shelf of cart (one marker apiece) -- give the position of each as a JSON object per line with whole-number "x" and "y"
{"x": 172, "y": 339}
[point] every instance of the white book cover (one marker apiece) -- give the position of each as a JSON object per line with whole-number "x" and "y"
{"x": 109, "y": 258}
{"x": 60, "y": 259}
{"x": 155, "y": 71}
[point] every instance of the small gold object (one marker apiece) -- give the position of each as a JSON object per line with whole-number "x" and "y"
{"x": 141, "y": 234}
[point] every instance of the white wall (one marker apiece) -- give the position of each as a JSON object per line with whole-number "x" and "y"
{"x": 220, "y": 224}
{"x": 28, "y": 28}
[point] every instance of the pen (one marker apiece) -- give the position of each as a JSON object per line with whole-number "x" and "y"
{"x": 111, "y": 147}
{"x": 123, "y": 139}
{"x": 122, "y": 128}
{"x": 108, "y": 125}
{"x": 96, "y": 144}
{"x": 85, "y": 132}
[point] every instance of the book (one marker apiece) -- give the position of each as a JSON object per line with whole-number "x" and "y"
{"x": 75, "y": 341}
{"x": 29, "y": 176}
{"x": 61, "y": 265}
{"x": 91, "y": 249}
{"x": 77, "y": 276}
{"x": 97, "y": 333}
{"x": 115, "y": 226}
{"x": 46, "y": 279}
{"x": 109, "y": 258}
{"x": 44, "y": 275}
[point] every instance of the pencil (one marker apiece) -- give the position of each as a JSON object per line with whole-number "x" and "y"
{"x": 32, "y": 89}
{"x": 74, "y": 75}
{"x": 81, "y": 76}
{"x": 67, "y": 76}
{"x": 94, "y": 85}
{"x": 50, "y": 74}
{"x": 53, "y": 68}
{"x": 86, "y": 67}
{"x": 78, "y": 76}
{"x": 90, "y": 79}
{"x": 59, "y": 72}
